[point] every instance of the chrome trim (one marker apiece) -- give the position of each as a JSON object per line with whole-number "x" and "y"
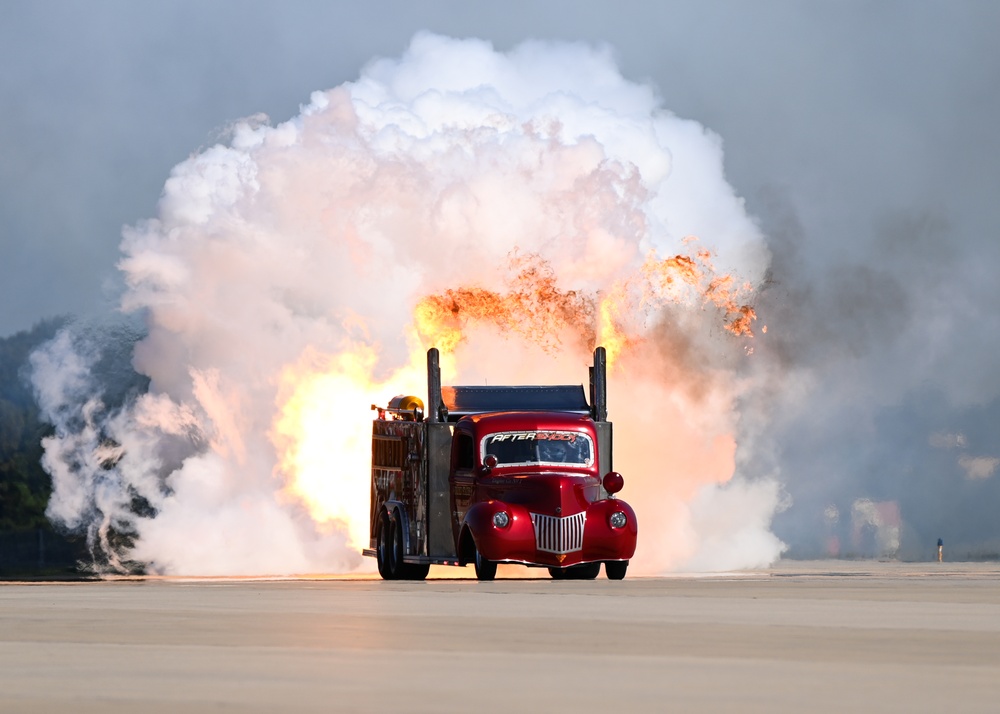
{"x": 559, "y": 535}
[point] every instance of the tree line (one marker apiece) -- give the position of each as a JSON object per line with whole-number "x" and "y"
{"x": 29, "y": 545}
{"x": 25, "y": 487}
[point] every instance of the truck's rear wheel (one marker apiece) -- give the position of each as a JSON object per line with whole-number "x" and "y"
{"x": 415, "y": 571}
{"x": 401, "y": 569}
{"x": 398, "y": 549}
{"x": 486, "y": 569}
{"x": 615, "y": 569}
{"x": 385, "y": 549}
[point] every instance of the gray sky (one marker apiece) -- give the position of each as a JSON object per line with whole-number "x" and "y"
{"x": 862, "y": 134}
{"x": 852, "y": 111}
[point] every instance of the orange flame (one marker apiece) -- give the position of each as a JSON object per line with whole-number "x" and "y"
{"x": 536, "y": 308}
{"x": 323, "y": 433}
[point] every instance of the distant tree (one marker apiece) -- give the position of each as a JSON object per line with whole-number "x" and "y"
{"x": 24, "y": 486}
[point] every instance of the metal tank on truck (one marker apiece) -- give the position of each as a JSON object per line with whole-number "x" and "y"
{"x": 490, "y": 475}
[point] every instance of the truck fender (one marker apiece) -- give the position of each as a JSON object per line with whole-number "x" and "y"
{"x": 477, "y": 528}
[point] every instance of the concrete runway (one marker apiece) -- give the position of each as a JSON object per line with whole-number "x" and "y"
{"x": 802, "y": 637}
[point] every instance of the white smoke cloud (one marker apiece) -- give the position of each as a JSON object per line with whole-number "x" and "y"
{"x": 319, "y": 235}
{"x": 978, "y": 467}
{"x": 732, "y": 526}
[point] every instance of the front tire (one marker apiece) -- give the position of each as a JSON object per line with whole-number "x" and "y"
{"x": 585, "y": 571}
{"x": 615, "y": 569}
{"x": 486, "y": 569}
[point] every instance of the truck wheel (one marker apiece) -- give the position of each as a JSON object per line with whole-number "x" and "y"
{"x": 585, "y": 571}
{"x": 615, "y": 569}
{"x": 403, "y": 570}
{"x": 398, "y": 566}
{"x": 486, "y": 569}
{"x": 384, "y": 549}
{"x": 416, "y": 571}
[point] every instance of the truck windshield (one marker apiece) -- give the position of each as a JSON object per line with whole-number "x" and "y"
{"x": 516, "y": 448}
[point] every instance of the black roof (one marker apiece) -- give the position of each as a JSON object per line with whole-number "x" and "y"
{"x": 472, "y": 400}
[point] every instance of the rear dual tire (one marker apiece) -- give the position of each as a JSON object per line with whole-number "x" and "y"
{"x": 415, "y": 571}
{"x": 389, "y": 551}
{"x": 385, "y": 549}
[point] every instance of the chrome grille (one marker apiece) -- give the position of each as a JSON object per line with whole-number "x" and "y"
{"x": 559, "y": 535}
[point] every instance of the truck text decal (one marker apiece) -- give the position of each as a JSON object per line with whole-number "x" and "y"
{"x": 539, "y": 435}
{"x": 539, "y": 447}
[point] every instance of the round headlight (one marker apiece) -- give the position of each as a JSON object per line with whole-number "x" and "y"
{"x": 501, "y": 519}
{"x": 618, "y": 519}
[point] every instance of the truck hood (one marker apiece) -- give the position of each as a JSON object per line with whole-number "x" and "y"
{"x": 548, "y": 492}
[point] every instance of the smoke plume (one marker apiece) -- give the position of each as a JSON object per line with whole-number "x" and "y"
{"x": 516, "y": 209}
{"x": 882, "y": 398}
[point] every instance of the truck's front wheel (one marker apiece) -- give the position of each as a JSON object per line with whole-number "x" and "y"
{"x": 585, "y": 571}
{"x": 615, "y": 569}
{"x": 486, "y": 569}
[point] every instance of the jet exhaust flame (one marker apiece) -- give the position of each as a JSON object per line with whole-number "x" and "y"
{"x": 536, "y": 309}
{"x": 511, "y": 209}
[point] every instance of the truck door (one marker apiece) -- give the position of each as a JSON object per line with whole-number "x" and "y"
{"x": 462, "y": 478}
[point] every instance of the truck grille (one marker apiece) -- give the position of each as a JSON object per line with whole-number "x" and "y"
{"x": 559, "y": 535}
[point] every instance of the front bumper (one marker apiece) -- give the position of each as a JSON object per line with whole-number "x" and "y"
{"x": 554, "y": 541}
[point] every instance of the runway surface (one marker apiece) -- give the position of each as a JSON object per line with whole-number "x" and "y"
{"x": 818, "y": 637}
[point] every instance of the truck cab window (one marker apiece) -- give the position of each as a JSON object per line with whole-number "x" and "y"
{"x": 464, "y": 451}
{"x": 527, "y": 448}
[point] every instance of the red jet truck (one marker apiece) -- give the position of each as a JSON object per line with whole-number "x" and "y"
{"x": 493, "y": 475}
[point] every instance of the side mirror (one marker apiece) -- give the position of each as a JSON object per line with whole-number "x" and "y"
{"x": 613, "y": 482}
{"x": 489, "y": 463}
